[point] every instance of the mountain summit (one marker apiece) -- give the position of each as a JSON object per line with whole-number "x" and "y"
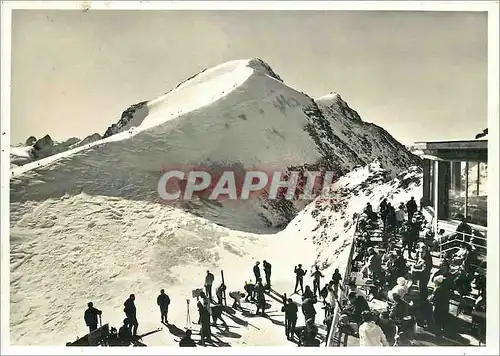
{"x": 239, "y": 114}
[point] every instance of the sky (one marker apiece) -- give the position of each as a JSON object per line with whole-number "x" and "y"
{"x": 420, "y": 75}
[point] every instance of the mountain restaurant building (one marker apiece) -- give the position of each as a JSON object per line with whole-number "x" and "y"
{"x": 455, "y": 177}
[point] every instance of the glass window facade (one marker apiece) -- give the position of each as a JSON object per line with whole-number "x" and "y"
{"x": 477, "y": 193}
{"x": 457, "y": 190}
{"x": 465, "y": 194}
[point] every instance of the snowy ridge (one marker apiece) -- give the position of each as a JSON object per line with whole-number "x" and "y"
{"x": 237, "y": 113}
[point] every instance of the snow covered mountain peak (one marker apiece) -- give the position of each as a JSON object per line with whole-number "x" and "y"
{"x": 237, "y": 114}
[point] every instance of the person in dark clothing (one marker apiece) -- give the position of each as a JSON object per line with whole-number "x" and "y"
{"x": 388, "y": 327}
{"x": 308, "y": 293}
{"x": 205, "y": 332}
{"x": 209, "y": 281}
{"x": 440, "y": 300}
{"x": 399, "y": 265}
{"x": 124, "y": 334}
{"x": 219, "y": 293}
{"x": 256, "y": 271}
{"x": 464, "y": 228}
{"x": 357, "y": 305}
{"x": 299, "y": 278}
{"x": 309, "y": 334}
{"x": 424, "y": 265}
{"x": 91, "y": 316}
{"x": 186, "y": 340}
{"x": 267, "y": 273}
{"x": 408, "y": 238}
{"x": 217, "y": 315}
{"x": 250, "y": 290}
{"x": 336, "y": 281}
{"x": 261, "y": 298}
{"x": 411, "y": 208}
{"x": 163, "y": 302}
{"x": 317, "y": 275}
{"x": 291, "y": 310}
{"x": 308, "y": 308}
{"x": 131, "y": 313}
{"x": 383, "y": 207}
{"x": 399, "y": 310}
{"x": 323, "y": 293}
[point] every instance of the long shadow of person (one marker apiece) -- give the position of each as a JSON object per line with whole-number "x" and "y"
{"x": 174, "y": 330}
{"x": 227, "y": 333}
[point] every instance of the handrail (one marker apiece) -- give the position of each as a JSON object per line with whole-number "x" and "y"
{"x": 343, "y": 290}
{"x": 460, "y": 236}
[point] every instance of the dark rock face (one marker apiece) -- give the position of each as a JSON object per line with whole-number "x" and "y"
{"x": 43, "y": 147}
{"x": 139, "y": 109}
{"x": 89, "y": 139}
{"x": 31, "y": 141}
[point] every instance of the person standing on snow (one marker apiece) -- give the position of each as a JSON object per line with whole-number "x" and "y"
{"x": 299, "y": 278}
{"x": 336, "y": 279}
{"x": 209, "y": 281}
{"x": 91, "y": 315}
{"x": 411, "y": 208}
{"x": 291, "y": 310}
{"x": 256, "y": 272}
{"x": 400, "y": 217}
{"x": 219, "y": 293}
{"x": 163, "y": 302}
{"x": 131, "y": 313}
{"x": 308, "y": 308}
{"x": 261, "y": 298}
{"x": 316, "y": 280}
{"x": 267, "y": 273}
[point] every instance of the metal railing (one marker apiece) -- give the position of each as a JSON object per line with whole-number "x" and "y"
{"x": 460, "y": 237}
{"x": 342, "y": 292}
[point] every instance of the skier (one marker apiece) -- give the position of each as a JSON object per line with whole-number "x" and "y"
{"x": 308, "y": 293}
{"x": 299, "y": 278}
{"x": 308, "y": 308}
{"x": 219, "y": 293}
{"x": 205, "y": 331}
{"x": 91, "y": 315}
{"x": 256, "y": 271}
{"x": 316, "y": 280}
{"x": 267, "y": 272}
{"x": 250, "y": 290}
{"x": 411, "y": 208}
{"x": 124, "y": 333}
{"x": 261, "y": 298}
{"x": 309, "y": 334}
{"x": 186, "y": 340}
{"x": 236, "y": 295}
{"x": 131, "y": 313}
{"x": 217, "y": 314}
{"x": 336, "y": 279}
{"x": 163, "y": 302}
{"x": 209, "y": 280}
{"x": 290, "y": 309}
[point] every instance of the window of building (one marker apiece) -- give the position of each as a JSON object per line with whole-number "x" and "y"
{"x": 477, "y": 193}
{"x": 456, "y": 190}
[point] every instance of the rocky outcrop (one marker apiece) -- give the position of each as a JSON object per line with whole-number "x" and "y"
{"x": 133, "y": 116}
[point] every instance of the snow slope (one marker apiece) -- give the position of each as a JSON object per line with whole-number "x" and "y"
{"x": 80, "y": 248}
{"x": 86, "y": 224}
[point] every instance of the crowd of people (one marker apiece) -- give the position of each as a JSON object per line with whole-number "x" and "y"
{"x": 381, "y": 271}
